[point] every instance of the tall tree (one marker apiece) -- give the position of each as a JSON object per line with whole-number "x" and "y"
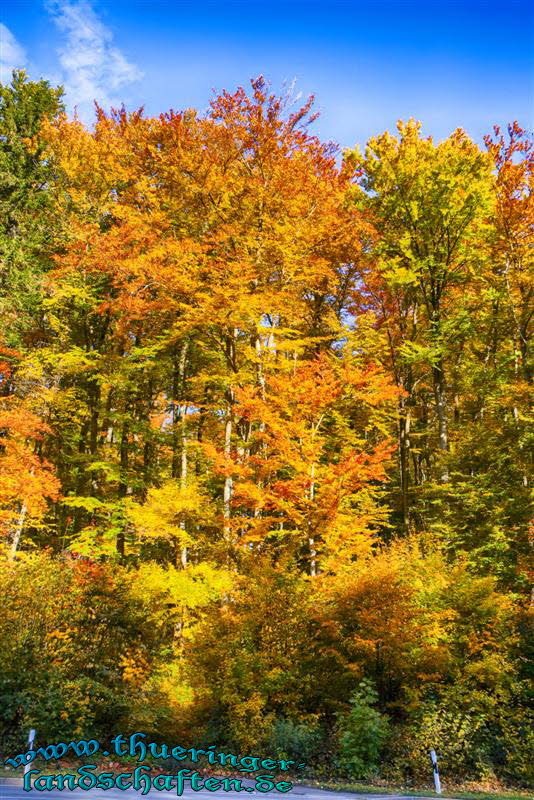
{"x": 431, "y": 204}
{"x": 26, "y": 174}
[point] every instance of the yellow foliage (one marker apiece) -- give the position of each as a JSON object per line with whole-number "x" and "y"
{"x": 167, "y": 510}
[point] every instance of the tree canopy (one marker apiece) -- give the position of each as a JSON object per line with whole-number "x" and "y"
{"x": 264, "y": 435}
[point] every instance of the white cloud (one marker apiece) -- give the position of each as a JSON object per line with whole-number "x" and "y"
{"x": 92, "y": 67}
{"x": 12, "y": 54}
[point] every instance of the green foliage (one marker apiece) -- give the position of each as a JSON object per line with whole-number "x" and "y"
{"x": 298, "y": 741}
{"x": 456, "y": 737}
{"x": 27, "y": 226}
{"x": 473, "y": 735}
{"x": 363, "y": 732}
{"x": 75, "y": 647}
{"x": 265, "y": 436}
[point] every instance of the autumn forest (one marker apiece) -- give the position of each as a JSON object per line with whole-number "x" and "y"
{"x": 265, "y": 450}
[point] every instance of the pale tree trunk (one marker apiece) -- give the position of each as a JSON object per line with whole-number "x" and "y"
{"x": 178, "y": 399}
{"x": 404, "y": 458}
{"x": 124, "y": 489}
{"x": 18, "y": 530}
{"x": 228, "y": 428}
{"x": 261, "y": 384}
{"x": 441, "y": 411}
{"x": 439, "y": 383}
{"x": 183, "y": 479}
{"x": 311, "y": 540}
{"x": 19, "y": 527}
{"x": 181, "y": 417}
{"x": 259, "y": 367}
{"x": 405, "y": 383}
{"x": 521, "y": 322}
{"x": 228, "y": 481}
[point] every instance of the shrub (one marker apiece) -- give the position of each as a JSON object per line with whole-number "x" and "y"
{"x": 296, "y": 741}
{"x": 362, "y": 733}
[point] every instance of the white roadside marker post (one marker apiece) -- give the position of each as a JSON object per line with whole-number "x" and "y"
{"x": 434, "y": 759}
{"x": 31, "y": 737}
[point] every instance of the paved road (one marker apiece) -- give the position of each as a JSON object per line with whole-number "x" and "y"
{"x": 12, "y": 790}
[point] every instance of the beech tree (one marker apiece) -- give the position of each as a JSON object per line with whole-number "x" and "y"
{"x": 431, "y": 205}
{"x": 264, "y": 429}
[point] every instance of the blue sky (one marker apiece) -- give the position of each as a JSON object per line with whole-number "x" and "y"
{"x": 450, "y": 64}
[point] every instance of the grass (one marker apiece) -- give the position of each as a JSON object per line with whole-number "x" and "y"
{"x": 362, "y": 788}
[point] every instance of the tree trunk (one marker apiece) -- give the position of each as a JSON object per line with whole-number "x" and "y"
{"x": 438, "y": 375}
{"x": 311, "y": 539}
{"x": 404, "y": 459}
{"x": 228, "y": 481}
{"x": 179, "y": 435}
{"x": 123, "y": 483}
{"x": 178, "y": 400}
{"x": 228, "y": 428}
{"x": 183, "y": 478}
{"x": 18, "y": 530}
